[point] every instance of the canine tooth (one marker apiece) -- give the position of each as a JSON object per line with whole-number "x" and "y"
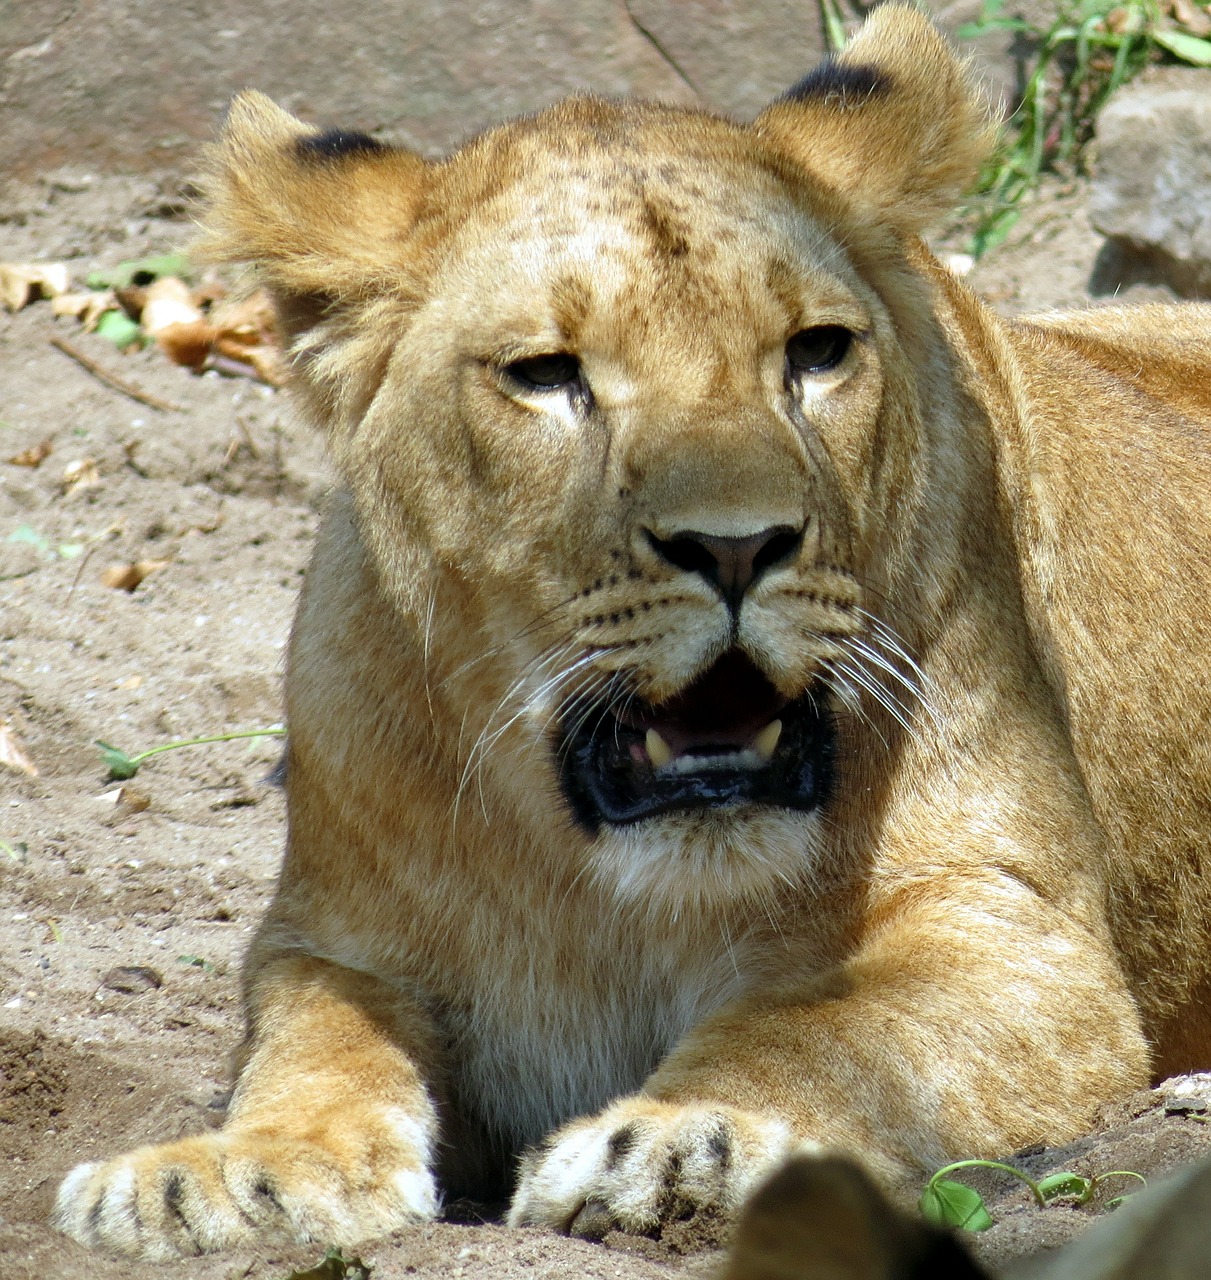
{"x": 766, "y": 742}
{"x": 659, "y": 751}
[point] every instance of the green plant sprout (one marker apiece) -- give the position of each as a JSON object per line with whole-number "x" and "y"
{"x": 947, "y": 1203}
{"x": 834, "y": 28}
{"x": 1091, "y": 49}
{"x": 122, "y": 766}
{"x": 335, "y": 1266}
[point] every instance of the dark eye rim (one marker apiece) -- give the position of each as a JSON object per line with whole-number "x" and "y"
{"x": 837, "y": 342}
{"x": 562, "y": 371}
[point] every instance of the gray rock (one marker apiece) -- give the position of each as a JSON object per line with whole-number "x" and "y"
{"x": 1151, "y": 192}
{"x": 137, "y": 86}
{"x": 132, "y": 979}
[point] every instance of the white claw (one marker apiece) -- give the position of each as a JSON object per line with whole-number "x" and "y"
{"x": 659, "y": 751}
{"x": 766, "y": 742}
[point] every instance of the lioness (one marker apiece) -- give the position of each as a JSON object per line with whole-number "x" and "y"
{"x": 745, "y": 693}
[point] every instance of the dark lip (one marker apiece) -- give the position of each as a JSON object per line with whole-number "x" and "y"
{"x": 608, "y": 780}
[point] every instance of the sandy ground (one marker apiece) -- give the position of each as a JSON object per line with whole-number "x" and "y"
{"x": 123, "y": 914}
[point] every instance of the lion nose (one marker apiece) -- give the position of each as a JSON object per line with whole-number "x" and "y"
{"x": 731, "y": 565}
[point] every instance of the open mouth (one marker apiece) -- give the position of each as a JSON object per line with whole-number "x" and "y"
{"x": 728, "y": 739}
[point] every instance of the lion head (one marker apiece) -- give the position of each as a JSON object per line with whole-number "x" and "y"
{"x": 628, "y": 399}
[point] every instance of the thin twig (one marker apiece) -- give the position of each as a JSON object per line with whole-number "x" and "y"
{"x": 93, "y": 543}
{"x": 84, "y": 559}
{"x": 112, "y": 380}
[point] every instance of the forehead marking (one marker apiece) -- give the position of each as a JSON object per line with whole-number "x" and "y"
{"x": 667, "y": 235}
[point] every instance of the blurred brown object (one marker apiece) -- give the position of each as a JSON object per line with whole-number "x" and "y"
{"x": 823, "y": 1218}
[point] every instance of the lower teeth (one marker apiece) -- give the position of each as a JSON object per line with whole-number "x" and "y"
{"x": 746, "y": 759}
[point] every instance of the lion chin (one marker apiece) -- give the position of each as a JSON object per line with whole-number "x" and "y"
{"x": 747, "y": 696}
{"x": 708, "y": 858}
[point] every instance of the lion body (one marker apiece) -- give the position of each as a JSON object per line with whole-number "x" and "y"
{"x": 993, "y": 913}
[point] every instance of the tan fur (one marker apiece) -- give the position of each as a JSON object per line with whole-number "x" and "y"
{"x": 1001, "y": 918}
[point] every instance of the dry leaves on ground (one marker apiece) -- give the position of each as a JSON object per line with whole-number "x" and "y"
{"x": 195, "y": 325}
{"x": 12, "y": 754}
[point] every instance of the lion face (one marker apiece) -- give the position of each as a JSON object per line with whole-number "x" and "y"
{"x": 664, "y": 407}
{"x": 609, "y": 393}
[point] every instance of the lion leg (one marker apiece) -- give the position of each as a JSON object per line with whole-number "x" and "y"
{"x": 330, "y": 1135}
{"x": 966, "y": 1026}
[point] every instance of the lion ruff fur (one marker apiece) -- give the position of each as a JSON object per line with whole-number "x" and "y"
{"x": 998, "y": 920}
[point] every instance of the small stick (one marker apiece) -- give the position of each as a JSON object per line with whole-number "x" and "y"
{"x": 93, "y": 543}
{"x": 112, "y": 380}
{"x": 84, "y": 559}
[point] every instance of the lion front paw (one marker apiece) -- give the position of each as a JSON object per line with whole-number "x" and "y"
{"x": 210, "y": 1192}
{"x": 642, "y": 1163}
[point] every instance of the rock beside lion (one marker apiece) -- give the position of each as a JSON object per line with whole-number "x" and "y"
{"x": 1152, "y": 190}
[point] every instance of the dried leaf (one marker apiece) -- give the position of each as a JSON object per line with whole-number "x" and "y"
{"x": 131, "y": 298}
{"x": 1124, "y": 20}
{"x": 22, "y": 282}
{"x": 1192, "y": 16}
{"x": 168, "y": 301}
{"x": 81, "y": 474}
{"x": 13, "y": 754}
{"x": 126, "y": 577}
{"x": 34, "y": 456}
{"x": 208, "y": 293}
{"x": 88, "y": 308}
{"x": 126, "y": 802}
{"x": 262, "y": 362}
{"x": 248, "y": 334}
{"x": 188, "y": 343}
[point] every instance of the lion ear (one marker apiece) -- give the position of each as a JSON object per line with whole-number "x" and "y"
{"x": 321, "y": 215}
{"x": 895, "y": 123}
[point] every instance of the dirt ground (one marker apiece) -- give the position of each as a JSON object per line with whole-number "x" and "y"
{"x": 124, "y": 913}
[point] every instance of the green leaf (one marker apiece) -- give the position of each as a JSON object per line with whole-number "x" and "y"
{"x": 946, "y": 1203}
{"x": 995, "y": 231}
{"x": 120, "y": 329}
{"x": 1187, "y": 48}
{"x": 335, "y": 1266}
{"x": 141, "y": 271}
{"x": 196, "y": 962}
{"x": 973, "y": 30}
{"x": 119, "y": 764}
{"x": 30, "y": 536}
{"x": 1065, "y": 1183}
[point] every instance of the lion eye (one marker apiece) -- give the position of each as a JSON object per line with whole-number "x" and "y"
{"x": 818, "y": 349}
{"x": 545, "y": 372}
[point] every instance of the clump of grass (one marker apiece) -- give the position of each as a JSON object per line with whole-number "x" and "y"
{"x": 1091, "y": 49}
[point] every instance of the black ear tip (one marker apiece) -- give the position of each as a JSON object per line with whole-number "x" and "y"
{"x": 844, "y": 83}
{"x": 335, "y": 144}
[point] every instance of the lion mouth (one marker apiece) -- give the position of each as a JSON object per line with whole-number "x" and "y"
{"x": 726, "y": 740}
